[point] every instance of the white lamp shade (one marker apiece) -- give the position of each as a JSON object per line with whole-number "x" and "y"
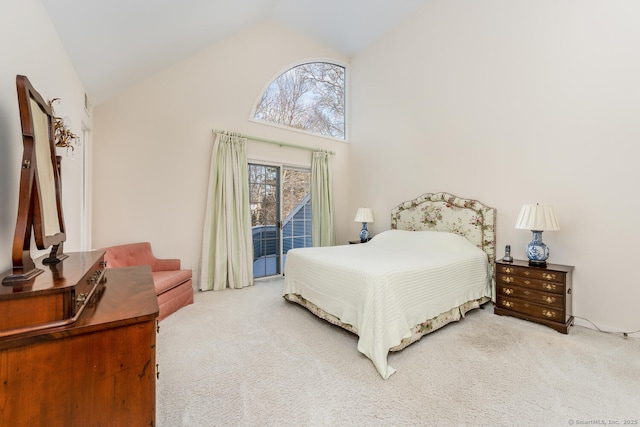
{"x": 364, "y": 215}
{"x": 538, "y": 218}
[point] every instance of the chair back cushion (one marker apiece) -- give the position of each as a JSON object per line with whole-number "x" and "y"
{"x": 129, "y": 255}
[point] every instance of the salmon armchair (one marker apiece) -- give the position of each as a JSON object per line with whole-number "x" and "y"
{"x": 173, "y": 285}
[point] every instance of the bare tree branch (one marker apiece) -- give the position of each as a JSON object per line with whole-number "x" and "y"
{"x": 310, "y": 97}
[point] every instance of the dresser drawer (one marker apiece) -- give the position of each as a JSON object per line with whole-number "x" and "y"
{"x": 541, "y": 285}
{"x": 530, "y": 295}
{"x": 532, "y": 273}
{"x": 539, "y": 311}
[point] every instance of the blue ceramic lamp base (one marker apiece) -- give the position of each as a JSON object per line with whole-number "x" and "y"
{"x": 364, "y": 233}
{"x": 537, "y": 252}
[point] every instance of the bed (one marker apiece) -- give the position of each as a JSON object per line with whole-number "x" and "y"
{"x": 433, "y": 266}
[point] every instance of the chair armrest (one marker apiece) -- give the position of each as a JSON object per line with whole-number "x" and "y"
{"x": 166, "y": 264}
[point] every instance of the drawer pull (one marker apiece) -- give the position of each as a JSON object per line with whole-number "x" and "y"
{"x": 527, "y": 292}
{"x": 507, "y": 303}
{"x": 81, "y": 299}
{"x": 549, "y": 286}
{"x": 527, "y": 282}
{"x": 507, "y": 291}
{"x": 526, "y": 273}
{"x": 507, "y": 270}
{"x": 549, "y": 300}
{"x": 548, "y": 313}
{"x": 548, "y": 276}
{"x": 507, "y": 279}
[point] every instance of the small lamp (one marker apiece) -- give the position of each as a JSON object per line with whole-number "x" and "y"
{"x": 537, "y": 219}
{"x": 364, "y": 215}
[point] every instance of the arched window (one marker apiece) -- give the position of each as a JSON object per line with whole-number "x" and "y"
{"x": 308, "y": 97}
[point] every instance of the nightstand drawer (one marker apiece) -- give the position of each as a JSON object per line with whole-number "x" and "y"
{"x": 532, "y": 273}
{"x": 539, "y": 311}
{"x": 530, "y": 295}
{"x": 541, "y": 285}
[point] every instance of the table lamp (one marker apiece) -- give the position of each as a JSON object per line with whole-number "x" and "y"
{"x": 364, "y": 215}
{"x": 537, "y": 219}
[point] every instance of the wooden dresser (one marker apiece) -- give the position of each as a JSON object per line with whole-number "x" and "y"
{"x": 99, "y": 370}
{"x": 538, "y": 294}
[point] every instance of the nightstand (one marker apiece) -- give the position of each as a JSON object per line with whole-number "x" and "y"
{"x": 537, "y": 294}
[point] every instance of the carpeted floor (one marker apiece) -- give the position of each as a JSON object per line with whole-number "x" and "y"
{"x": 249, "y": 358}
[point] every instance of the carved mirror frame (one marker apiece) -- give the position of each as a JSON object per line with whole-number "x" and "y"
{"x": 40, "y": 201}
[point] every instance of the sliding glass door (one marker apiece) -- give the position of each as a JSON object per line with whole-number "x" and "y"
{"x": 280, "y": 215}
{"x": 296, "y": 211}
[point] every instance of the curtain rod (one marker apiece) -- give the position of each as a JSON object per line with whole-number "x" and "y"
{"x": 282, "y": 144}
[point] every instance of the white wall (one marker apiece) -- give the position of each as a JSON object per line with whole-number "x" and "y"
{"x": 30, "y": 46}
{"x": 514, "y": 102}
{"x": 153, "y": 143}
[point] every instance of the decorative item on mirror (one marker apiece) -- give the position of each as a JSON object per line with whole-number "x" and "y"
{"x": 63, "y": 137}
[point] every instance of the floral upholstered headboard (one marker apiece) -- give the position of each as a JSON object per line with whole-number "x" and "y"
{"x": 445, "y": 212}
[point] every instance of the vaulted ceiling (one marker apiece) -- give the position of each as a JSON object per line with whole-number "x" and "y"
{"x": 114, "y": 44}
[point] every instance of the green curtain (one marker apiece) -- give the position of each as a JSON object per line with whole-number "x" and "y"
{"x": 322, "y": 226}
{"x": 227, "y": 246}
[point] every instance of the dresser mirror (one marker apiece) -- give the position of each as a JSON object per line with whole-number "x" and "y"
{"x": 39, "y": 215}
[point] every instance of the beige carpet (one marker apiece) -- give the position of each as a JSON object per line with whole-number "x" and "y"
{"x": 249, "y": 358}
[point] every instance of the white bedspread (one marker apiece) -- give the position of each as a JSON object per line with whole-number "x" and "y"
{"x": 385, "y": 287}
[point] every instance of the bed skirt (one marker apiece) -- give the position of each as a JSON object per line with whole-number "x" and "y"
{"x": 417, "y": 332}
